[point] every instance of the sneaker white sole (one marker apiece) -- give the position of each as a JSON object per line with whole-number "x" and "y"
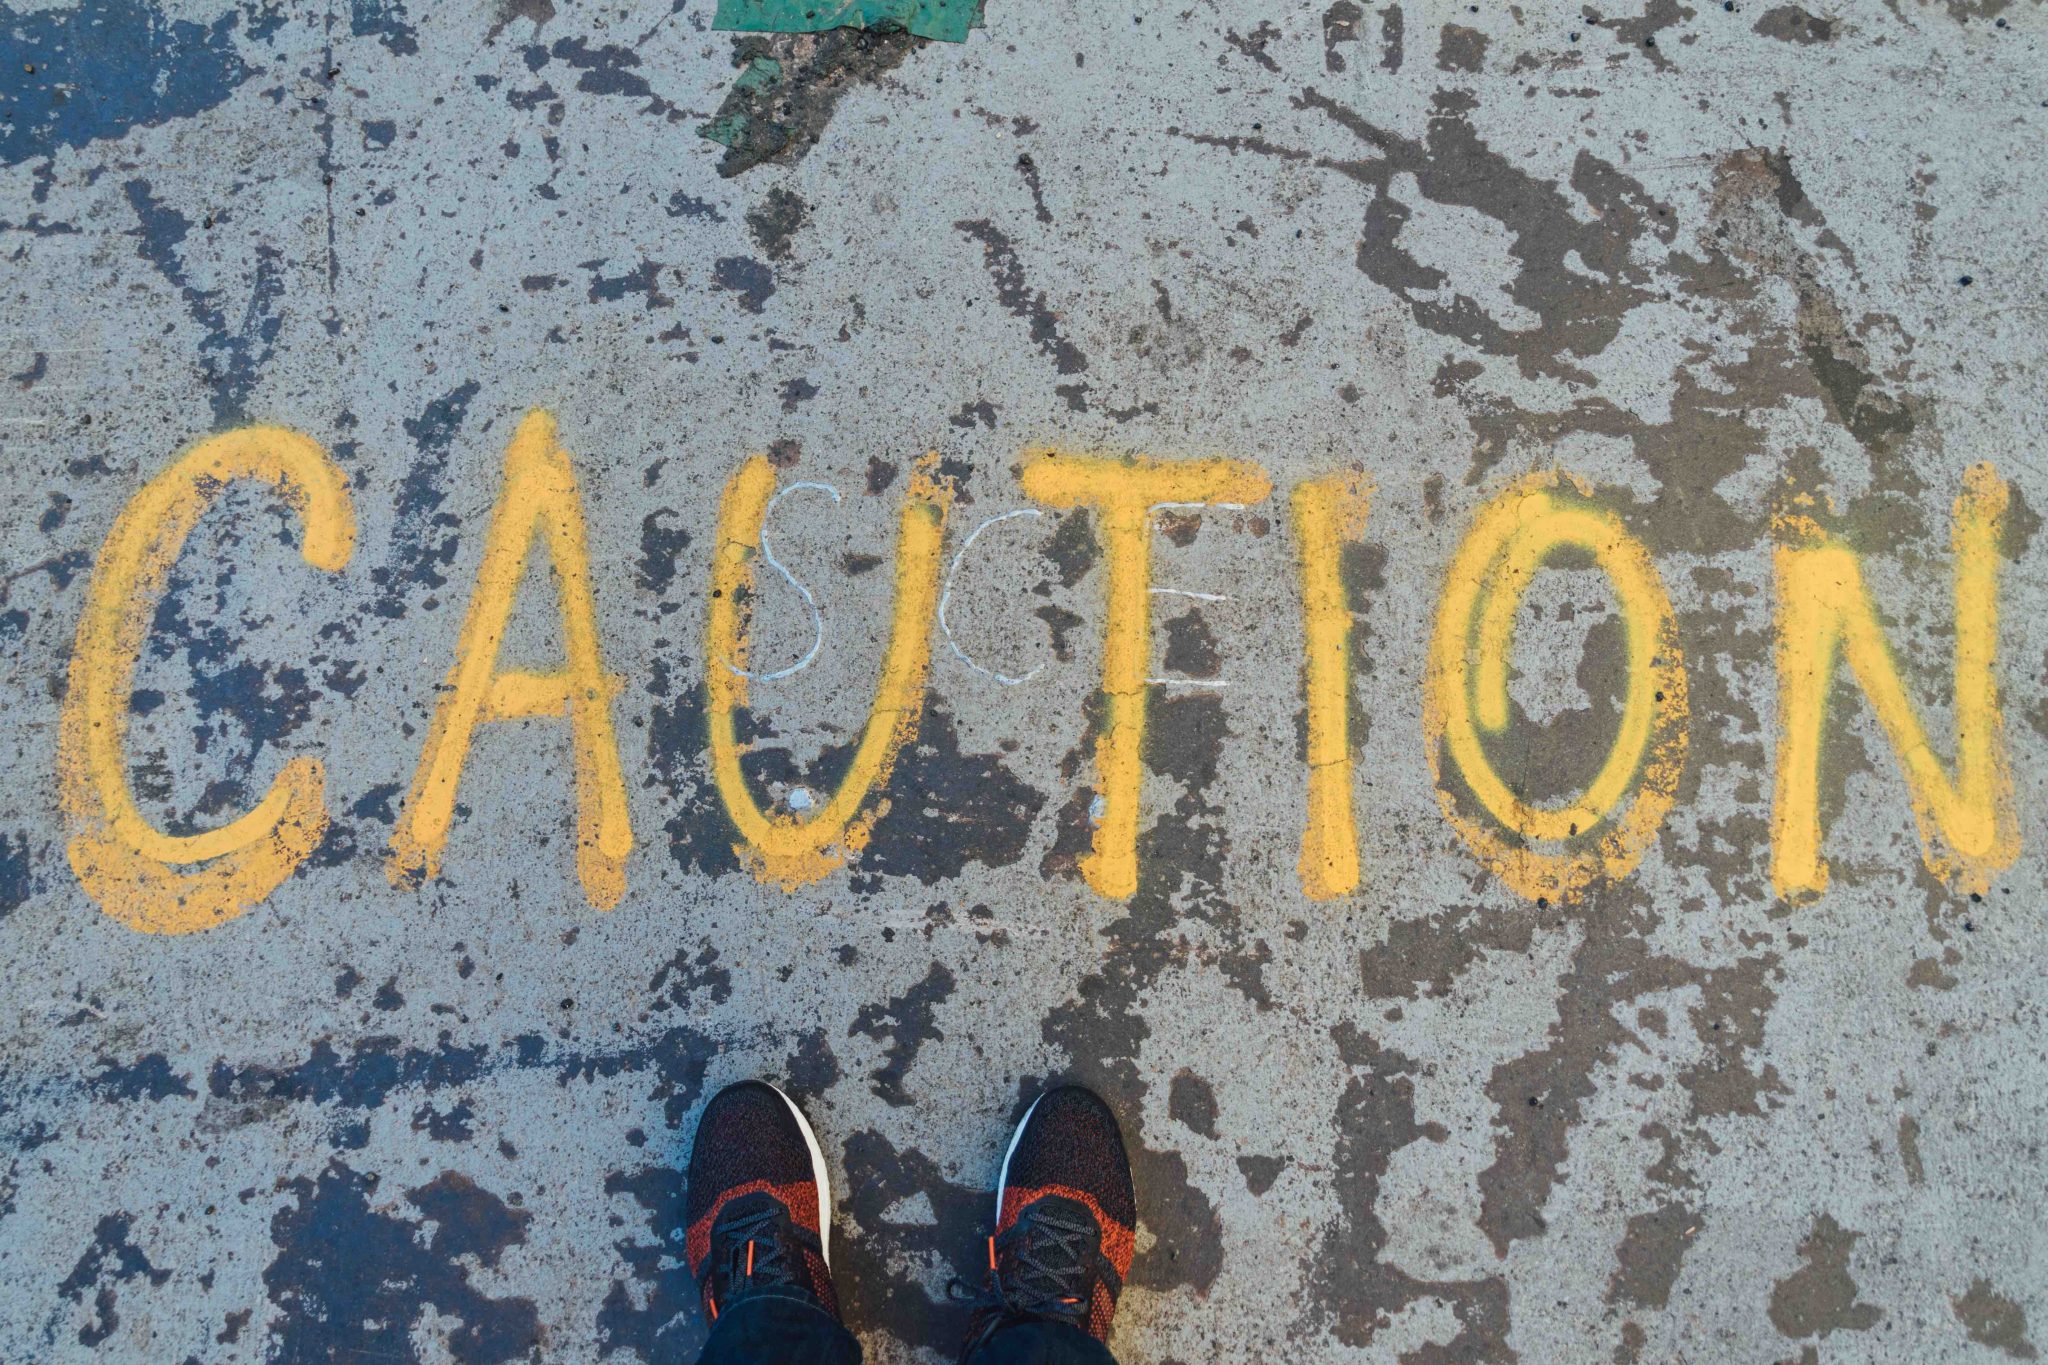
{"x": 1003, "y": 1180}
{"x": 817, "y": 1173}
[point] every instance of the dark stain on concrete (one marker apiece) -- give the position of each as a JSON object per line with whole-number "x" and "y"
{"x": 1190, "y": 646}
{"x": 812, "y": 1068}
{"x": 1192, "y": 1104}
{"x": 660, "y": 1319}
{"x": 1539, "y": 1097}
{"x": 1994, "y": 1320}
{"x": 1253, "y": 45}
{"x": 538, "y": 12}
{"x": 1555, "y": 760}
{"x": 688, "y": 978}
{"x": 352, "y": 1280}
{"x": 907, "y": 1023}
{"x": 947, "y": 809}
{"x": 1580, "y": 308}
{"x": 660, "y": 545}
{"x": 676, "y": 1058}
{"x": 1341, "y": 24}
{"x": 385, "y": 20}
{"x": 606, "y": 70}
{"x": 1791, "y": 24}
{"x": 77, "y": 74}
{"x": 1059, "y": 621}
{"x": 148, "y": 1077}
{"x": 450, "y": 1125}
{"x": 17, "y": 873}
{"x": 231, "y": 357}
{"x": 700, "y": 834}
{"x": 980, "y": 410}
{"x": 1350, "y": 1288}
{"x": 1260, "y": 1172}
{"x": 750, "y": 280}
{"x": 424, "y": 538}
{"x": 1392, "y": 46}
{"x": 1640, "y": 35}
{"x": 1648, "y": 1259}
{"x": 643, "y": 279}
{"x": 1820, "y": 1297}
{"x": 243, "y": 705}
{"x": 1425, "y": 955}
{"x": 1019, "y": 299}
{"x": 777, "y": 220}
{"x": 1460, "y": 49}
{"x": 884, "y": 1283}
{"x": 1909, "y": 1150}
{"x": 1028, "y": 168}
{"x": 362, "y": 1079}
{"x": 1101, "y": 1030}
{"x": 1073, "y": 549}
{"x": 109, "y": 1261}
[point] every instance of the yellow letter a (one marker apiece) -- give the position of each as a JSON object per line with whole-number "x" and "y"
{"x": 539, "y": 495}
{"x": 780, "y": 848}
{"x": 1967, "y": 828}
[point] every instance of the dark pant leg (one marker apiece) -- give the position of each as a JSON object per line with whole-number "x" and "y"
{"x": 774, "y": 1329}
{"x": 1041, "y": 1343}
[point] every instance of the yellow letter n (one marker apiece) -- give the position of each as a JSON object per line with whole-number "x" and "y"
{"x": 1968, "y": 830}
{"x": 539, "y": 497}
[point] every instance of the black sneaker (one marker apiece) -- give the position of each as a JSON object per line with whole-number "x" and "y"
{"x": 757, "y": 1202}
{"x": 1066, "y": 1220}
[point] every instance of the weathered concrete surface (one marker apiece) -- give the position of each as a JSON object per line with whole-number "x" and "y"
{"x": 1707, "y": 258}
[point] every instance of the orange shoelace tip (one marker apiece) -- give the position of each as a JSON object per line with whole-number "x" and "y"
{"x": 991, "y": 1253}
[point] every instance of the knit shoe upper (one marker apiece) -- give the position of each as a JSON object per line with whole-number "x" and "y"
{"x": 757, "y": 1201}
{"x": 1066, "y": 1219}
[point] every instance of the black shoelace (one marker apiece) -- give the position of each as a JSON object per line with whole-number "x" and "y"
{"x": 758, "y": 1259}
{"x": 1043, "y": 1268}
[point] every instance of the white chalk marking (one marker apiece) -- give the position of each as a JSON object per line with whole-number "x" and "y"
{"x": 817, "y": 617}
{"x": 946, "y": 601}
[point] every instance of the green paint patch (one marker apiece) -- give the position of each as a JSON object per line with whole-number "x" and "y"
{"x": 946, "y": 20}
{"x": 735, "y": 120}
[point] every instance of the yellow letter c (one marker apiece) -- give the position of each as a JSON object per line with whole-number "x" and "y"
{"x": 126, "y": 864}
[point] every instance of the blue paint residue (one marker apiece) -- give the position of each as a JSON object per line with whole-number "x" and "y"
{"x": 95, "y": 71}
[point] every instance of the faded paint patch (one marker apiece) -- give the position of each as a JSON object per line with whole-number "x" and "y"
{"x": 946, "y": 20}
